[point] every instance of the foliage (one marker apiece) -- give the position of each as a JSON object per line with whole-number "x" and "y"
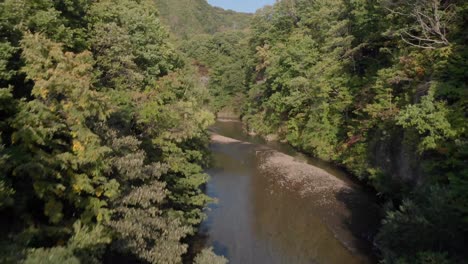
{"x": 6, "y": 192}
{"x": 103, "y": 131}
{"x": 51, "y": 256}
{"x": 221, "y": 59}
{"x": 426, "y": 258}
{"x": 206, "y": 256}
{"x": 56, "y": 119}
{"x": 81, "y": 248}
{"x": 429, "y": 215}
{"x": 376, "y": 86}
{"x": 300, "y": 75}
{"x": 429, "y": 118}
{"x": 103, "y": 139}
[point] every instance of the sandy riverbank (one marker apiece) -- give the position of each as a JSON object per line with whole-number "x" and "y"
{"x": 291, "y": 173}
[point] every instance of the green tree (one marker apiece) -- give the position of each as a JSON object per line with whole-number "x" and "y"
{"x": 73, "y": 172}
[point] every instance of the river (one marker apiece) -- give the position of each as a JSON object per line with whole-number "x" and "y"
{"x": 259, "y": 220}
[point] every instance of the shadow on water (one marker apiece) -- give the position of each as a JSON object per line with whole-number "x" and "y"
{"x": 256, "y": 220}
{"x": 363, "y": 219}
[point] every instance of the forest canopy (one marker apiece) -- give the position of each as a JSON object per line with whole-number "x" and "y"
{"x": 105, "y": 107}
{"x": 379, "y": 87}
{"x": 103, "y": 134}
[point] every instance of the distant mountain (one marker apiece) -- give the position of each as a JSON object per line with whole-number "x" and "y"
{"x": 186, "y": 18}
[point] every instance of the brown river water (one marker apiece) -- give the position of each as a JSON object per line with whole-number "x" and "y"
{"x": 262, "y": 217}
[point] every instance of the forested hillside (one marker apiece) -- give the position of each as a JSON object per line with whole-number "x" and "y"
{"x": 379, "y": 87}
{"x": 187, "y": 18}
{"x": 102, "y": 132}
{"x": 104, "y": 118}
{"x": 222, "y": 60}
{"x": 215, "y": 41}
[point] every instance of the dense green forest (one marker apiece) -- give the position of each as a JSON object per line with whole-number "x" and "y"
{"x": 104, "y": 117}
{"x": 103, "y": 135}
{"x": 381, "y": 88}
{"x": 222, "y": 59}
{"x": 378, "y": 87}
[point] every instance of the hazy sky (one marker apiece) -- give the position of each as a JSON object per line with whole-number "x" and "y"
{"x": 241, "y": 5}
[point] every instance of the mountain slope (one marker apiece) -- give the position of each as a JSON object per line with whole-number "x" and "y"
{"x": 186, "y": 18}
